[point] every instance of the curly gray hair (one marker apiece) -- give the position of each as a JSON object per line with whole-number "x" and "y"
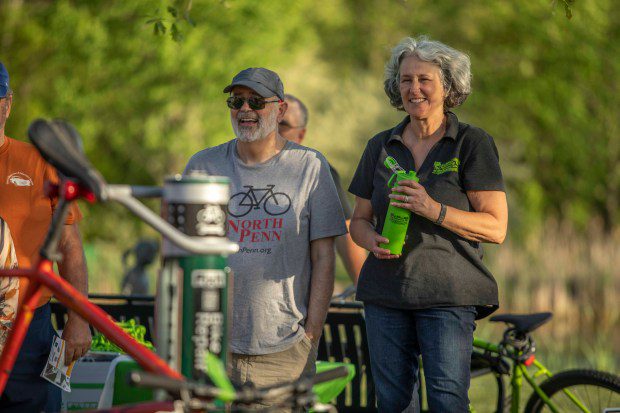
{"x": 454, "y": 68}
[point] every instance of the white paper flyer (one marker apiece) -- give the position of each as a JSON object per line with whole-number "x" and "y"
{"x": 55, "y": 370}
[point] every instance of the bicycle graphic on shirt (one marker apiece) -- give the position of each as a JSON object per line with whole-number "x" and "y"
{"x": 274, "y": 203}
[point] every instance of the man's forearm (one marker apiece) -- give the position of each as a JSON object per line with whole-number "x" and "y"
{"x": 321, "y": 285}
{"x": 72, "y": 267}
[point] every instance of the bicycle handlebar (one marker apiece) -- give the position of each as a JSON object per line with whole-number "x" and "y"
{"x": 60, "y": 144}
{"x": 139, "y": 191}
{"x": 244, "y": 395}
{"x": 125, "y": 195}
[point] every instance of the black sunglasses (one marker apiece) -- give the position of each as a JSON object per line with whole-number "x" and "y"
{"x": 254, "y": 102}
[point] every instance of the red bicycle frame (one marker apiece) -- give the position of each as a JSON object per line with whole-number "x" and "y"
{"x": 44, "y": 276}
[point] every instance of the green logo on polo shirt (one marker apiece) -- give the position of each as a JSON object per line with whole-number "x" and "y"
{"x": 450, "y": 166}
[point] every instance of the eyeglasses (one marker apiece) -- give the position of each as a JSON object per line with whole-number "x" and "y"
{"x": 254, "y": 102}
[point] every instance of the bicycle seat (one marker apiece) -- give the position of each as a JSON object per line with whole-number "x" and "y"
{"x": 524, "y": 322}
{"x": 60, "y": 145}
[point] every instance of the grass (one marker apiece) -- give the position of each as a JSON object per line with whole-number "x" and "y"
{"x": 575, "y": 276}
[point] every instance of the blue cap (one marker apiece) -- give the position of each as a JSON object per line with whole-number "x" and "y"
{"x": 4, "y": 81}
{"x": 263, "y": 81}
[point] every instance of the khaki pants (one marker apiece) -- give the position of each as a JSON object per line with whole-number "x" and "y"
{"x": 270, "y": 369}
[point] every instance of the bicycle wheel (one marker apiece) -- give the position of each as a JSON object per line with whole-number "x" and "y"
{"x": 489, "y": 383}
{"x": 277, "y": 204}
{"x": 240, "y": 204}
{"x": 595, "y": 390}
{"x": 486, "y": 388}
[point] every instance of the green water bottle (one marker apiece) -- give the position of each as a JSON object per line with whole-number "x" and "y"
{"x": 397, "y": 219}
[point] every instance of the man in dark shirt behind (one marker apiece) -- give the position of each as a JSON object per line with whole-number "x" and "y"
{"x": 293, "y": 127}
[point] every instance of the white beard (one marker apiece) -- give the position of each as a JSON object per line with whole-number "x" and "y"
{"x": 266, "y": 125}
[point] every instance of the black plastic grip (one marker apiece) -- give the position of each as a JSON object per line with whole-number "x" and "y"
{"x": 146, "y": 191}
{"x": 155, "y": 381}
{"x": 172, "y": 386}
{"x": 332, "y": 374}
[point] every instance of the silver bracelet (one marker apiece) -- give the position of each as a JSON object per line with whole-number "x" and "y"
{"x": 442, "y": 214}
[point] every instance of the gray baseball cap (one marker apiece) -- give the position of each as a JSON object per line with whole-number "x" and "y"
{"x": 4, "y": 81}
{"x": 263, "y": 81}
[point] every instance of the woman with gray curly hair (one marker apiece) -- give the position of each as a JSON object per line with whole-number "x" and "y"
{"x": 425, "y": 300}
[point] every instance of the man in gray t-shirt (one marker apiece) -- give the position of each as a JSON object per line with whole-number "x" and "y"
{"x": 284, "y": 212}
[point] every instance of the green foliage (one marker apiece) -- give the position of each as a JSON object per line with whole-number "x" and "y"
{"x": 177, "y": 14}
{"x": 544, "y": 86}
{"x": 143, "y": 104}
{"x": 567, "y": 5}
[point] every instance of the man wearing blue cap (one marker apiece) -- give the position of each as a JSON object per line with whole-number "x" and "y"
{"x": 284, "y": 212}
{"x": 28, "y": 213}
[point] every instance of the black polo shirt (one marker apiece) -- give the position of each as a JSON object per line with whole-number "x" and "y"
{"x": 437, "y": 267}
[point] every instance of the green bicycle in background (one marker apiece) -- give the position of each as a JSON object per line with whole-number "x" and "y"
{"x": 512, "y": 361}
{"x": 568, "y": 391}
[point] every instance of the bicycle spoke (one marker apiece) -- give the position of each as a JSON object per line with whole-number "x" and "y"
{"x": 608, "y": 403}
{"x": 598, "y": 398}
{"x": 578, "y": 392}
{"x": 588, "y": 396}
{"x": 594, "y": 398}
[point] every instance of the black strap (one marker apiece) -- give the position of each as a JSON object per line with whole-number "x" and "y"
{"x": 442, "y": 214}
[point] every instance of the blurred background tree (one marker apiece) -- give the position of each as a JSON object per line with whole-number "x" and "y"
{"x": 545, "y": 86}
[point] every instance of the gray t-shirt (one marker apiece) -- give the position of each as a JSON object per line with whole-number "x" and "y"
{"x": 275, "y": 210}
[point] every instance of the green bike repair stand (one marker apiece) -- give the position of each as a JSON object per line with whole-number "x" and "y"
{"x": 193, "y": 294}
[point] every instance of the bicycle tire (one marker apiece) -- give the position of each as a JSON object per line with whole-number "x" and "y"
{"x": 236, "y": 208}
{"x": 577, "y": 382}
{"x": 275, "y": 208}
{"x": 503, "y": 397}
{"x": 483, "y": 366}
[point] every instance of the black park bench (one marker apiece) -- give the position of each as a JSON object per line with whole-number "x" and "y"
{"x": 344, "y": 340}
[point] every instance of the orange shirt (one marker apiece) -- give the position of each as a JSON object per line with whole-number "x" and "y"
{"x": 24, "y": 205}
